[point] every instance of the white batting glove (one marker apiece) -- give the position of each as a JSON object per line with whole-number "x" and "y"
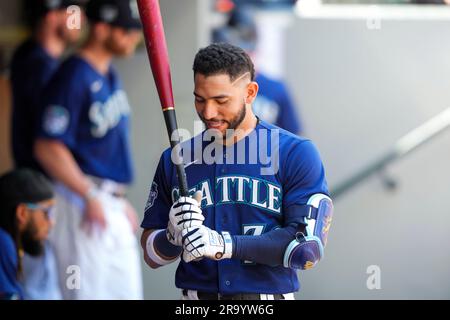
{"x": 184, "y": 213}
{"x": 173, "y": 235}
{"x": 201, "y": 241}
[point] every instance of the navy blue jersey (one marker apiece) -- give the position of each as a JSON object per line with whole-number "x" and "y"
{"x": 9, "y": 261}
{"x": 240, "y": 198}
{"x": 31, "y": 69}
{"x": 274, "y": 105}
{"x": 89, "y": 113}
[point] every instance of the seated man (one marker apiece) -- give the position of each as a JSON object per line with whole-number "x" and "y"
{"x": 26, "y": 199}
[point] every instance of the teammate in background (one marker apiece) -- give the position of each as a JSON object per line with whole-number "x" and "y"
{"x": 274, "y": 103}
{"x": 32, "y": 66}
{"x": 26, "y": 199}
{"x": 257, "y": 222}
{"x": 83, "y": 144}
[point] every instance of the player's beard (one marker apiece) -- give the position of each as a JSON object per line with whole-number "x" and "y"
{"x": 30, "y": 244}
{"x": 236, "y": 121}
{"x": 233, "y": 124}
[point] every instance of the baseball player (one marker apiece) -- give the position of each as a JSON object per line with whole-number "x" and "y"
{"x": 252, "y": 222}
{"x": 26, "y": 201}
{"x": 83, "y": 144}
{"x": 32, "y": 66}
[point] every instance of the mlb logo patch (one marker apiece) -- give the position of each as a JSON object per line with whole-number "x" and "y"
{"x": 152, "y": 196}
{"x": 56, "y": 120}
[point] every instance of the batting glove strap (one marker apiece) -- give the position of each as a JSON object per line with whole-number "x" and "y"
{"x": 173, "y": 235}
{"x": 228, "y": 241}
{"x": 202, "y": 242}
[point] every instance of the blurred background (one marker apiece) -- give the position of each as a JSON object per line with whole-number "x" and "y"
{"x": 363, "y": 75}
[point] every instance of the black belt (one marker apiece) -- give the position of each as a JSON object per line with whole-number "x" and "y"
{"x": 237, "y": 296}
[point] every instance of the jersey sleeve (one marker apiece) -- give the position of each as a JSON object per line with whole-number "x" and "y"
{"x": 30, "y": 80}
{"x": 9, "y": 286}
{"x": 60, "y": 109}
{"x": 156, "y": 212}
{"x": 304, "y": 175}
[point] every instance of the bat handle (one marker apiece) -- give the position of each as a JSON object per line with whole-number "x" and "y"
{"x": 171, "y": 124}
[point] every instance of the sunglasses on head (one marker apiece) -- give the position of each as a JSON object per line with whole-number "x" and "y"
{"x": 48, "y": 210}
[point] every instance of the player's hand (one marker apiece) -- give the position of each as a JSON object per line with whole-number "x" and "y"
{"x": 132, "y": 217}
{"x": 200, "y": 242}
{"x": 94, "y": 216}
{"x": 184, "y": 213}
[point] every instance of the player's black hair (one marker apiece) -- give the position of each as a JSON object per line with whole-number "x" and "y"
{"x": 223, "y": 58}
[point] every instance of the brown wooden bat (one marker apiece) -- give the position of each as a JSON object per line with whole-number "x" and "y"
{"x": 155, "y": 41}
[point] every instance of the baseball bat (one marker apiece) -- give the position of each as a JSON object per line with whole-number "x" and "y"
{"x": 155, "y": 41}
